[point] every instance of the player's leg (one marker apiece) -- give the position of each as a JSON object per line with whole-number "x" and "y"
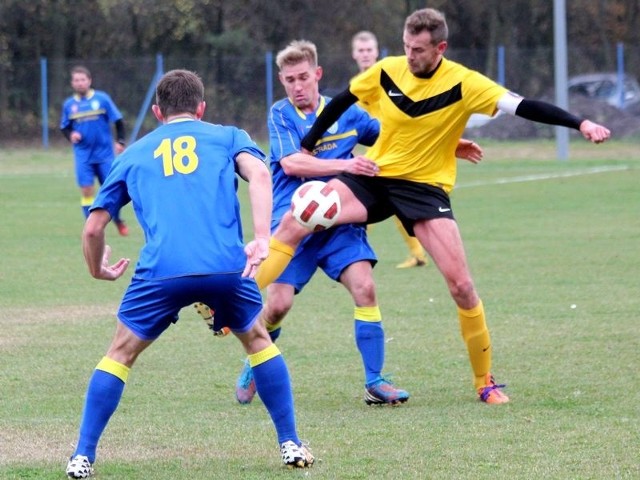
{"x": 278, "y": 303}
{"x": 84, "y": 174}
{"x": 274, "y": 387}
{"x": 369, "y": 334}
{"x": 441, "y": 238}
{"x": 87, "y": 195}
{"x": 290, "y": 233}
{"x": 417, "y": 256}
{"x": 85, "y": 178}
{"x": 103, "y": 396}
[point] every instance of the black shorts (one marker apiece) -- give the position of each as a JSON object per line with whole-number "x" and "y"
{"x": 409, "y": 201}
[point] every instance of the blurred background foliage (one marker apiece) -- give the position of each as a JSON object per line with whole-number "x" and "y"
{"x": 226, "y": 42}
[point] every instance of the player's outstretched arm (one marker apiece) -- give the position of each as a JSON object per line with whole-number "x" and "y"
{"x": 594, "y": 132}
{"x": 96, "y": 252}
{"x": 305, "y": 165}
{"x": 543, "y": 112}
{"x": 469, "y": 150}
{"x": 256, "y": 172}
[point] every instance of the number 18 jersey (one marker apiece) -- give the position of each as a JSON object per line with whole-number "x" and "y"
{"x": 181, "y": 180}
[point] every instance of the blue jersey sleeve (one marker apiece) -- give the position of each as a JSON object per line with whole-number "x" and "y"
{"x": 64, "y": 117}
{"x": 242, "y": 143}
{"x": 113, "y": 194}
{"x": 112, "y": 112}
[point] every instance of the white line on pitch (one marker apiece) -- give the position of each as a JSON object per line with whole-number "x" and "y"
{"x": 543, "y": 176}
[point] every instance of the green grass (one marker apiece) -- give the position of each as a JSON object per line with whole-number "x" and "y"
{"x": 535, "y": 247}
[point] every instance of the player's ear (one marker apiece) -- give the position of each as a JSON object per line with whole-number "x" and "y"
{"x": 319, "y": 72}
{"x": 157, "y": 113}
{"x": 200, "y": 110}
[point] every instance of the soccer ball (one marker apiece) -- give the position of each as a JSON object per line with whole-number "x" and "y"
{"x": 315, "y": 205}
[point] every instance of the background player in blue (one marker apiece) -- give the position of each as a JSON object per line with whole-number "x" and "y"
{"x": 86, "y": 122}
{"x": 181, "y": 180}
{"x": 343, "y": 253}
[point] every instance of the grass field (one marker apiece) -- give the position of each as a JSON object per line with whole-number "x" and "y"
{"x": 555, "y": 252}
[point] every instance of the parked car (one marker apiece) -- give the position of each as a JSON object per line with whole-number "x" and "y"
{"x": 604, "y": 86}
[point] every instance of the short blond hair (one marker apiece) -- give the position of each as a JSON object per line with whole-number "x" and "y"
{"x": 363, "y": 36}
{"x": 297, "y": 52}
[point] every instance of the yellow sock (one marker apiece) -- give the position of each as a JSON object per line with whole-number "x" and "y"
{"x": 264, "y": 355}
{"x": 476, "y": 335}
{"x": 413, "y": 244}
{"x": 280, "y": 255}
{"x": 114, "y": 368}
{"x": 272, "y": 327}
{"x": 86, "y": 201}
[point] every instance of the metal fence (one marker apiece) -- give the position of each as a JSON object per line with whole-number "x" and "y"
{"x": 239, "y": 88}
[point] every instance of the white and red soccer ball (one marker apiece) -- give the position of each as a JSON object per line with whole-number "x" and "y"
{"x": 315, "y": 205}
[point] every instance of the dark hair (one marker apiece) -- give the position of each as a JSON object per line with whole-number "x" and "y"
{"x": 81, "y": 69}
{"x": 179, "y": 91}
{"x": 430, "y": 20}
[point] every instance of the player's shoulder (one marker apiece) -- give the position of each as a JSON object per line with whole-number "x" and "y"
{"x": 451, "y": 67}
{"x": 282, "y": 105}
{"x": 396, "y": 61}
{"x": 100, "y": 93}
{"x": 69, "y": 100}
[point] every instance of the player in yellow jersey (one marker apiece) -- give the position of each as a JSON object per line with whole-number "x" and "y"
{"x": 364, "y": 50}
{"x": 424, "y": 101}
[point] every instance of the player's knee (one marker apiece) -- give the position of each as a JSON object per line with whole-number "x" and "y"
{"x": 290, "y": 231}
{"x": 276, "y": 310}
{"x": 364, "y": 292}
{"x": 462, "y": 291}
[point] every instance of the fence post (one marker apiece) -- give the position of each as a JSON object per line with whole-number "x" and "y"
{"x": 148, "y": 98}
{"x": 560, "y": 67}
{"x": 268, "y": 61}
{"x": 44, "y": 101}
{"x": 501, "y": 66}
{"x": 620, "y": 57}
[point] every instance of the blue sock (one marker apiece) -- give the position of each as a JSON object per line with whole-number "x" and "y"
{"x": 103, "y": 395}
{"x": 370, "y": 341}
{"x": 274, "y": 387}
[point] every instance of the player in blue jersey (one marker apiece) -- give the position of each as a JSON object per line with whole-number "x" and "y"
{"x": 86, "y": 122}
{"x": 182, "y": 182}
{"x": 343, "y": 253}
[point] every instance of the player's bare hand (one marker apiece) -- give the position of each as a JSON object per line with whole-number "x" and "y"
{"x": 257, "y": 252}
{"x": 362, "y": 166}
{"x": 119, "y": 148}
{"x": 115, "y": 271}
{"x": 75, "y": 137}
{"x": 469, "y": 150}
{"x": 594, "y": 132}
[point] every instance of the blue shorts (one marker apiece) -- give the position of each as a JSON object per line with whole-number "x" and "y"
{"x": 332, "y": 250}
{"x": 149, "y": 307}
{"x": 86, "y": 173}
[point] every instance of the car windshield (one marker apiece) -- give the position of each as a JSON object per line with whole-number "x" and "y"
{"x": 595, "y": 89}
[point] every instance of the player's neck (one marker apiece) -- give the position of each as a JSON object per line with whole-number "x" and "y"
{"x": 180, "y": 117}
